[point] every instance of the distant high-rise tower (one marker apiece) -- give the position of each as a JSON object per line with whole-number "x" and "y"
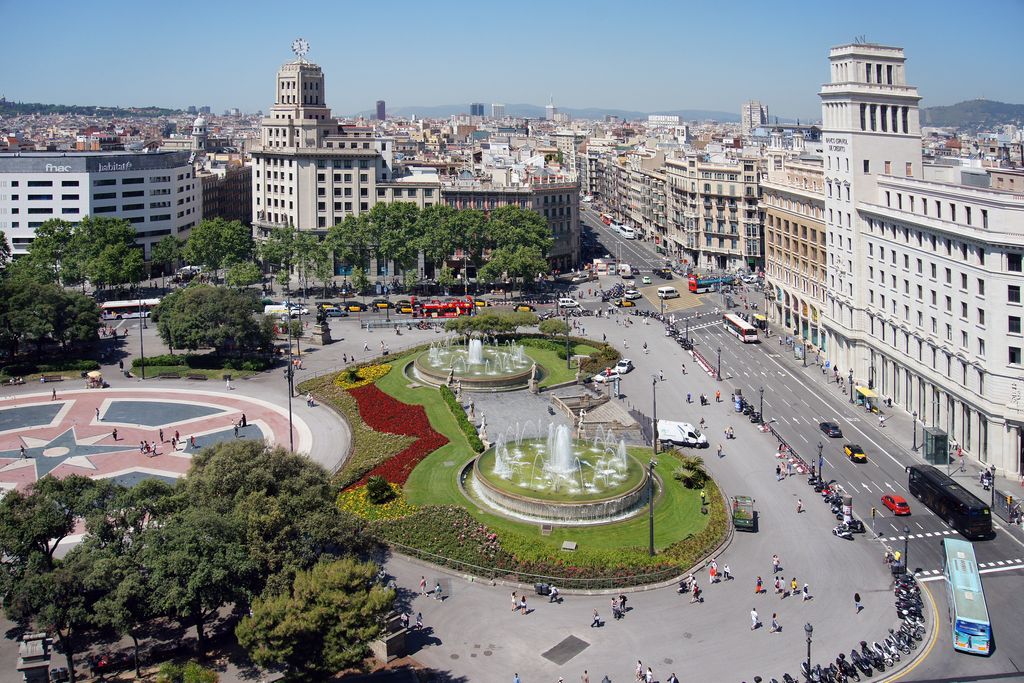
{"x": 550, "y": 110}
{"x": 497, "y": 111}
{"x": 752, "y": 115}
{"x": 476, "y": 109}
{"x": 381, "y": 111}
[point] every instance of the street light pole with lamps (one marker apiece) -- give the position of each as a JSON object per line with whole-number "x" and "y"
{"x": 851, "y": 386}
{"x": 809, "y": 630}
{"x": 718, "y": 368}
{"x": 914, "y": 424}
{"x": 821, "y": 461}
{"x": 652, "y": 463}
{"x": 760, "y": 407}
{"x": 142, "y": 349}
{"x": 906, "y": 546}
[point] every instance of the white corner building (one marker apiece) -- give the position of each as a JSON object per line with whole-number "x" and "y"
{"x": 924, "y": 270}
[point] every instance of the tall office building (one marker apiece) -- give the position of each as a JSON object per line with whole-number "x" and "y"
{"x": 381, "y": 111}
{"x": 550, "y": 110}
{"x": 752, "y": 115}
{"x": 497, "y": 111}
{"x": 924, "y": 303}
{"x": 476, "y": 109}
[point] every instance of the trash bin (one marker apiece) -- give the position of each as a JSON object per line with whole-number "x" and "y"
{"x": 542, "y": 588}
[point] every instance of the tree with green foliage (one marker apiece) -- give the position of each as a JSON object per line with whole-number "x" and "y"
{"x": 445, "y": 278}
{"x": 34, "y": 312}
{"x": 512, "y": 227}
{"x": 514, "y": 264}
{"x": 189, "y": 672}
{"x": 437, "y": 231}
{"x": 53, "y": 251}
{"x": 553, "y": 327}
{"x": 167, "y": 253}
{"x": 322, "y": 625}
{"x": 394, "y": 233}
{"x": 216, "y": 243}
{"x": 350, "y": 240}
{"x": 470, "y": 228}
{"x": 107, "y": 251}
{"x": 219, "y": 317}
{"x": 491, "y": 322}
{"x": 360, "y": 281}
{"x": 283, "y": 503}
{"x": 5, "y": 251}
{"x": 307, "y": 253}
{"x": 197, "y": 561}
{"x": 278, "y": 253}
{"x": 243, "y": 274}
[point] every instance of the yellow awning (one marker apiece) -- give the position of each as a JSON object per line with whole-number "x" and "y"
{"x": 866, "y": 393}
{"x": 760, "y": 317}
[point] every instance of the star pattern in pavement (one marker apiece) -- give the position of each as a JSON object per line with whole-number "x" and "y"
{"x": 65, "y": 448}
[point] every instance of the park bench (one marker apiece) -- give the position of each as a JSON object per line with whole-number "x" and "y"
{"x": 52, "y": 378}
{"x": 197, "y": 377}
{"x": 168, "y": 375}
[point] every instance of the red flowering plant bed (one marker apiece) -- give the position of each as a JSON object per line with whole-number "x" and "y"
{"x": 384, "y": 413}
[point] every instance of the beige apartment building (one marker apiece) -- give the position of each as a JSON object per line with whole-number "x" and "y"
{"x": 713, "y": 216}
{"x": 793, "y": 202}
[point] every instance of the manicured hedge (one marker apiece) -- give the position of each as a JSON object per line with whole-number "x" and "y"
{"x": 22, "y": 369}
{"x": 460, "y": 416}
{"x": 203, "y": 361}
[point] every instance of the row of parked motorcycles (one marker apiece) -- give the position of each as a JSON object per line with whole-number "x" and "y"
{"x": 680, "y": 337}
{"x": 879, "y": 655}
{"x": 747, "y": 408}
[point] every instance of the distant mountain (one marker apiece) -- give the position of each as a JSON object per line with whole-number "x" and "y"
{"x": 23, "y": 108}
{"x": 973, "y": 114}
{"x": 537, "y": 112}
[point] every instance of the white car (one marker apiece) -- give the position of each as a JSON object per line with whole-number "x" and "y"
{"x": 624, "y": 366}
{"x": 605, "y": 377}
{"x": 632, "y": 294}
{"x": 568, "y": 302}
{"x": 297, "y": 309}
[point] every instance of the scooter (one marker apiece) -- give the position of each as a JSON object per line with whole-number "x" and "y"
{"x": 860, "y": 662}
{"x": 809, "y": 673}
{"x": 876, "y": 660}
{"x": 881, "y": 652}
{"x": 842, "y": 531}
{"x": 856, "y": 526}
{"x": 889, "y": 645}
{"x": 849, "y": 670}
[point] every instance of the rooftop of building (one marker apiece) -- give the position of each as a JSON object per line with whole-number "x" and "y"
{"x": 72, "y": 153}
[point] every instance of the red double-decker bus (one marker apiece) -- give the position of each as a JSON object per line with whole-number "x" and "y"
{"x": 441, "y": 308}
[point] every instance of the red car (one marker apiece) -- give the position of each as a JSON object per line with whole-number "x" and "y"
{"x": 897, "y": 504}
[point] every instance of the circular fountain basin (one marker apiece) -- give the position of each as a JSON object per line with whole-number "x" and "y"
{"x": 477, "y": 366}
{"x": 600, "y": 488}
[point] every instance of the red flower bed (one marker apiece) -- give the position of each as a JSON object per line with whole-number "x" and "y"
{"x": 384, "y": 413}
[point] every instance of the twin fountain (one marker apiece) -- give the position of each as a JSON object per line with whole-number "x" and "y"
{"x": 478, "y": 366}
{"x": 558, "y": 478}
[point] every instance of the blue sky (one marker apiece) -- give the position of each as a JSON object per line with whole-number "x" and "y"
{"x": 641, "y": 55}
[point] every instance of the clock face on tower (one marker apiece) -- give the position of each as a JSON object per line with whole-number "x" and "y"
{"x": 300, "y": 47}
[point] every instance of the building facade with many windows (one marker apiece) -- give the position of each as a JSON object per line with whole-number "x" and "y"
{"x": 924, "y": 274}
{"x": 156, "y": 192}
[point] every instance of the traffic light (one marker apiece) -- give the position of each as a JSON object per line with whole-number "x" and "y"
{"x": 873, "y": 512}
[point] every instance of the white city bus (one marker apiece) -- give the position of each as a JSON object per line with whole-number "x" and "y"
{"x": 133, "y": 308}
{"x": 740, "y": 328}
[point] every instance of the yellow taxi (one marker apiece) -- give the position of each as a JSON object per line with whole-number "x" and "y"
{"x": 404, "y": 306}
{"x": 625, "y": 303}
{"x": 855, "y": 453}
{"x": 525, "y": 308}
{"x": 482, "y": 303}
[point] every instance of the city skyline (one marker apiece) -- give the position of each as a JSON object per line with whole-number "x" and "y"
{"x": 592, "y": 66}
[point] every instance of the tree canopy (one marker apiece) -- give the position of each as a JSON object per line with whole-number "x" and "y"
{"x": 207, "y": 316}
{"x": 216, "y": 243}
{"x": 491, "y": 322}
{"x": 34, "y": 312}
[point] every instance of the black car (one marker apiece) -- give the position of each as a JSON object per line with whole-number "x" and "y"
{"x": 831, "y": 429}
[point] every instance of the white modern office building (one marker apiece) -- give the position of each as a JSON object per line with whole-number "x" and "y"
{"x": 156, "y": 192}
{"x": 925, "y": 272}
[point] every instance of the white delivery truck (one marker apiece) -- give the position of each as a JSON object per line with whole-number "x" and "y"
{"x": 681, "y": 434}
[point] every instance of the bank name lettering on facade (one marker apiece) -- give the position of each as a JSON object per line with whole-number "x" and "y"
{"x": 836, "y": 144}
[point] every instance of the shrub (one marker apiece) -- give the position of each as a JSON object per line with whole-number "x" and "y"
{"x": 356, "y": 501}
{"x": 468, "y": 430}
{"x": 22, "y": 369}
{"x": 190, "y": 672}
{"x": 165, "y": 359}
{"x": 203, "y": 361}
{"x": 378, "y": 491}
{"x": 605, "y": 357}
{"x": 691, "y": 472}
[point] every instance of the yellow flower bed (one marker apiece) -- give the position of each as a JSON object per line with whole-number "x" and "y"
{"x": 347, "y": 379}
{"x": 356, "y": 502}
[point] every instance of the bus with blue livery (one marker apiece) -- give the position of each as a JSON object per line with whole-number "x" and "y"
{"x": 968, "y": 615}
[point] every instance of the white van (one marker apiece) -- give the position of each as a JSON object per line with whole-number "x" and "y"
{"x": 626, "y": 270}
{"x": 278, "y": 311}
{"x": 681, "y": 434}
{"x": 668, "y": 292}
{"x": 568, "y": 302}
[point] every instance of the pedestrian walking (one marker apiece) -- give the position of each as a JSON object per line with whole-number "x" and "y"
{"x": 120, "y": 365}
{"x": 718, "y": 396}
{"x": 778, "y": 585}
{"x": 661, "y": 375}
{"x": 515, "y": 679}
{"x": 243, "y": 420}
{"x": 775, "y": 628}
{"x": 227, "y": 383}
{"x": 177, "y": 436}
{"x": 806, "y": 593}
{"x": 649, "y": 676}
{"x": 639, "y": 671}
{"x": 856, "y": 603}
{"x": 437, "y": 591}
{"x": 419, "y": 620}
{"x": 98, "y": 418}
{"x": 142, "y": 446}
{"x": 696, "y": 592}
{"x": 754, "y": 623}
{"x": 799, "y": 506}
{"x": 585, "y": 678}
{"x": 515, "y": 601}
{"x": 113, "y": 433}
{"x": 236, "y": 431}
{"x": 192, "y": 440}
{"x": 161, "y": 436}
{"x": 174, "y": 444}
{"x": 53, "y": 395}
{"x": 719, "y": 450}
{"x": 792, "y": 586}
{"x": 726, "y": 574}
{"x": 423, "y": 586}
{"x": 366, "y": 347}
{"x": 596, "y": 621}
{"x": 758, "y": 586}
{"x": 703, "y": 497}
{"x": 776, "y": 564}
{"x": 553, "y": 595}
{"x": 778, "y": 473}
{"x": 522, "y": 604}
{"x": 23, "y": 456}
{"x": 672, "y": 678}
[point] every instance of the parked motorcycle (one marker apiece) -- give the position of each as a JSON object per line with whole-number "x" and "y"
{"x": 842, "y": 531}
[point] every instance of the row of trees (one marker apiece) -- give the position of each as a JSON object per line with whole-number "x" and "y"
{"x": 249, "y": 526}
{"x": 204, "y": 316}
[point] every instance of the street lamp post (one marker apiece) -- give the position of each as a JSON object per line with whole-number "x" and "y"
{"x": 650, "y": 503}
{"x": 906, "y": 546}
{"x": 992, "y": 486}
{"x": 821, "y": 461}
{"x": 809, "y": 630}
{"x": 914, "y": 447}
{"x": 761, "y": 404}
{"x": 568, "y": 364}
{"x": 851, "y": 385}
{"x": 289, "y": 373}
{"x": 718, "y": 368}
{"x": 142, "y": 349}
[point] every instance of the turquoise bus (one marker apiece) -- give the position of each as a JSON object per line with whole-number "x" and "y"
{"x": 968, "y": 615}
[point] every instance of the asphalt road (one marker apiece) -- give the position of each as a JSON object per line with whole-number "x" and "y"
{"x": 797, "y": 400}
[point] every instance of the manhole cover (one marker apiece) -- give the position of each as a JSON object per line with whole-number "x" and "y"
{"x": 668, "y": 660}
{"x": 472, "y": 655}
{"x": 487, "y": 653}
{"x": 453, "y": 656}
{"x": 687, "y": 635}
{"x": 566, "y": 650}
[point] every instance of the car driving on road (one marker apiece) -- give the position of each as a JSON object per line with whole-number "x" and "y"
{"x": 606, "y": 376}
{"x": 624, "y": 366}
{"x": 855, "y": 453}
{"x": 896, "y": 504}
{"x": 831, "y": 429}
{"x": 632, "y": 294}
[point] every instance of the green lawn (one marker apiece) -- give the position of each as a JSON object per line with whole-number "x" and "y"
{"x": 555, "y": 371}
{"x": 520, "y": 483}
{"x": 433, "y": 482}
{"x": 152, "y": 371}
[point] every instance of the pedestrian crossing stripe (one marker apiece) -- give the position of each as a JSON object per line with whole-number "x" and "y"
{"x": 1009, "y": 564}
{"x": 924, "y": 534}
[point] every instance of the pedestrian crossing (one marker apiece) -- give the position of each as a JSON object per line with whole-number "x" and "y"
{"x": 926, "y": 534}
{"x": 983, "y": 568}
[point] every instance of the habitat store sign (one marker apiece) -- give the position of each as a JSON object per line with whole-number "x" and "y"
{"x": 27, "y": 162}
